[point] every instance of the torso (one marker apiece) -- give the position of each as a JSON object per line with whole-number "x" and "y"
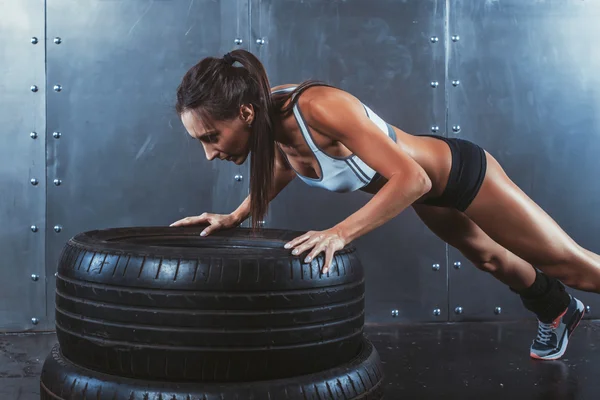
{"x": 432, "y": 154}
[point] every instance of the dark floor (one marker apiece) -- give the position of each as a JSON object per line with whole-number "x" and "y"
{"x": 430, "y": 361}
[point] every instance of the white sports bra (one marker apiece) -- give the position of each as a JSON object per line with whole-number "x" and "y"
{"x": 338, "y": 174}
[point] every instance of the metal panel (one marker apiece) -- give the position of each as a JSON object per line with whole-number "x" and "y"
{"x": 123, "y": 156}
{"x": 528, "y": 93}
{"x": 382, "y": 52}
{"x": 22, "y": 146}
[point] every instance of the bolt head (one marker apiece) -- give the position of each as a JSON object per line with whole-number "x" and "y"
{"x": 456, "y": 128}
{"x": 437, "y": 312}
{"x": 57, "y": 228}
{"x": 57, "y": 40}
{"x": 33, "y": 135}
{"x": 57, "y": 182}
{"x": 260, "y": 41}
{"x": 455, "y": 83}
{"x": 57, "y": 88}
{"x": 457, "y": 265}
{"x": 435, "y": 128}
{"x": 434, "y": 39}
{"x": 588, "y": 309}
{"x": 34, "y": 181}
{"x": 434, "y": 84}
{"x": 34, "y": 88}
{"x": 455, "y": 38}
{"x": 56, "y": 135}
{"x": 238, "y": 178}
{"x": 238, "y": 41}
{"x": 498, "y": 310}
{"x": 34, "y": 228}
{"x": 395, "y": 313}
{"x": 436, "y": 267}
{"x": 458, "y": 310}
{"x": 35, "y": 277}
{"x": 34, "y": 40}
{"x": 35, "y": 321}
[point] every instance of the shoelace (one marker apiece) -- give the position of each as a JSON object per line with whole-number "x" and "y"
{"x": 544, "y": 333}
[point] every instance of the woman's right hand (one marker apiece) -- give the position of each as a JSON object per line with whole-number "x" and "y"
{"x": 215, "y": 221}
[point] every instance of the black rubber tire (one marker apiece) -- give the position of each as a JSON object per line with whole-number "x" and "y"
{"x": 165, "y": 303}
{"x": 361, "y": 378}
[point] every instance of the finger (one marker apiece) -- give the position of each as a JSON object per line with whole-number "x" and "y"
{"x": 298, "y": 240}
{"x": 309, "y": 244}
{"x": 319, "y": 248}
{"x": 210, "y": 229}
{"x": 330, "y": 251}
{"x": 191, "y": 220}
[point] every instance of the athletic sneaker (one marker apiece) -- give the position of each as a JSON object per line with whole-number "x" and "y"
{"x": 552, "y": 339}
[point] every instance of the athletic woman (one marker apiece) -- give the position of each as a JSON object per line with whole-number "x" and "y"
{"x": 329, "y": 139}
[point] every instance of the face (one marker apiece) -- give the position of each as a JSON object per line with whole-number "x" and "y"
{"x": 224, "y": 140}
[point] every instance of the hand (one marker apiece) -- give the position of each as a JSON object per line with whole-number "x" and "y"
{"x": 328, "y": 241}
{"x": 215, "y": 221}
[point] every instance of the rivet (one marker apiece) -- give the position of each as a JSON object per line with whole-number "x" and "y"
{"x": 455, "y": 83}
{"x": 35, "y": 321}
{"x": 33, "y": 135}
{"x": 457, "y": 265}
{"x": 57, "y": 40}
{"x": 34, "y": 182}
{"x": 456, "y": 128}
{"x": 434, "y": 84}
{"x": 434, "y": 39}
{"x": 35, "y": 277}
{"x": 56, "y": 274}
{"x": 57, "y": 88}
{"x": 458, "y": 310}
{"x": 34, "y": 88}
{"x": 498, "y": 310}
{"x": 56, "y": 135}
{"x": 57, "y": 182}
{"x": 455, "y": 38}
{"x": 34, "y": 40}
{"x": 57, "y": 228}
{"x": 436, "y": 267}
{"x": 238, "y": 178}
{"x": 260, "y": 41}
{"x": 435, "y": 128}
{"x": 437, "y": 312}
{"x": 34, "y": 228}
{"x": 239, "y": 41}
{"x": 588, "y": 309}
{"x": 395, "y": 313}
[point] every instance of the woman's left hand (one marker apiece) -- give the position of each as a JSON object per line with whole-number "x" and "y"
{"x": 328, "y": 241}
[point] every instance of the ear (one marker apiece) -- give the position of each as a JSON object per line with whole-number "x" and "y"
{"x": 247, "y": 113}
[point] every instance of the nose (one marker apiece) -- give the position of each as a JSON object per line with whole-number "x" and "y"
{"x": 211, "y": 154}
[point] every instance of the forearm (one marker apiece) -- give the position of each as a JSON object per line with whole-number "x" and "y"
{"x": 394, "y": 197}
{"x": 283, "y": 178}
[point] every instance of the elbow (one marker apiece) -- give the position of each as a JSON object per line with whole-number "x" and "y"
{"x": 423, "y": 183}
{"x": 418, "y": 183}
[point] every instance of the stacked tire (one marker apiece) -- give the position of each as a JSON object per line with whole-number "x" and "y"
{"x": 162, "y": 313}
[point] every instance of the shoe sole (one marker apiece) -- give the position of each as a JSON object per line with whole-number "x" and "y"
{"x": 563, "y": 348}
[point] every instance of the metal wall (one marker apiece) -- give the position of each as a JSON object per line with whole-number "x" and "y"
{"x": 518, "y": 77}
{"x": 22, "y": 164}
{"x": 528, "y": 93}
{"x": 380, "y": 51}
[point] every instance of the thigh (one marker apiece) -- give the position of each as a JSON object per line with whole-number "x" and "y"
{"x": 460, "y": 232}
{"x": 513, "y": 220}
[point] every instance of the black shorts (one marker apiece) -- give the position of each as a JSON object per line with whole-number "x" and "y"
{"x": 466, "y": 174}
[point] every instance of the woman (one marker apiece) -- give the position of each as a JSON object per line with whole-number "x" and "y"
{"x": 329, "y": 139}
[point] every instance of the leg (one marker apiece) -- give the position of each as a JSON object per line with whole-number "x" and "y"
{"x": 558, "y": 313}
{"x": 456, "y": 229}
{"x": 515, "y": 222}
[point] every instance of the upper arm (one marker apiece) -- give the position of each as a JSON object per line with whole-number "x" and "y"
{"x": 340, "y": 116}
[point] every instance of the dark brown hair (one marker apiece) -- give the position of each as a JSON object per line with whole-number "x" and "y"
{"x": 215, "y": 90}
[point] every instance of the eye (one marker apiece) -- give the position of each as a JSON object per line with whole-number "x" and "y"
{"x": 212, "y": 138}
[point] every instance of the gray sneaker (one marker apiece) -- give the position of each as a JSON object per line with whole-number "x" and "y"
{"x": 553, "y": 338}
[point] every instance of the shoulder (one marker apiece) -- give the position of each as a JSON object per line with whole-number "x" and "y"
{"x": 330, "y": 109}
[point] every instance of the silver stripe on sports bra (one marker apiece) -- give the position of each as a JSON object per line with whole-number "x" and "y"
{"x": 338, "y": 174}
